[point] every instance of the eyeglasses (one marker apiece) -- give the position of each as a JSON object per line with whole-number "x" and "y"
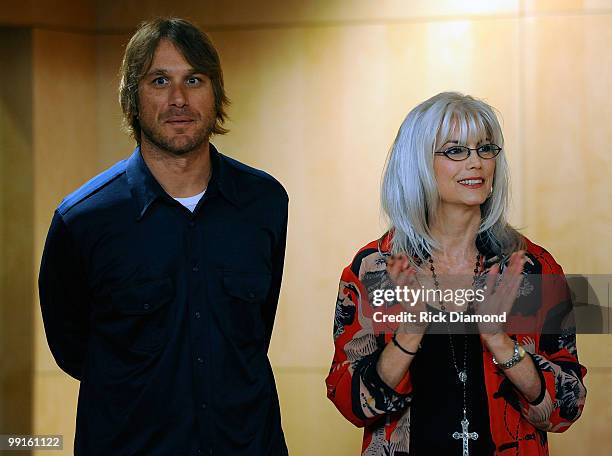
{"x": 459, "y": 153}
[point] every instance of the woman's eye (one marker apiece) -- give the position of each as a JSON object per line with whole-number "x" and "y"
{"x": 193, "y": 80}
{"x": 159, "y": 81}
{"x": 486, "y": 148}
{"x": 454, "y": 151}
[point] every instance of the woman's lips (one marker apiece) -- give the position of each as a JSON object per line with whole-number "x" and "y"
{"x": 472, "y": 182}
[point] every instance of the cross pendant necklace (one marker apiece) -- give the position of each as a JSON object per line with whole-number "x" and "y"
{"x": 465, "y": 435}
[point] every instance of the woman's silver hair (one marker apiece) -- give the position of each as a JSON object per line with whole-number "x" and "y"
{"x": 409, "y": 193}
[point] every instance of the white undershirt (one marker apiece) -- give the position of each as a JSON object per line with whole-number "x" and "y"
{"x": 191, "y": 201}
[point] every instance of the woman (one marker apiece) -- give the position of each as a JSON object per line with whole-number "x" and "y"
{"x": 483, "y": 391}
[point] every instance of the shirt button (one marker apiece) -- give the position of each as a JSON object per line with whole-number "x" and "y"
{"x": 200, "y": 360}
{"x": 195, "y": 268}
{"x": 197, "y": 314}
{"x": 203, "y": 405}
{"x": 146, "y": 306}
{"x": 191, "y": 223}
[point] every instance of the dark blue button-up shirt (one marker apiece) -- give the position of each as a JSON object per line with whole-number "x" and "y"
{"x": 164, "y": 315}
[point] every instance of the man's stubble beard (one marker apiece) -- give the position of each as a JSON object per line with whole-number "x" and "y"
{"x": 171, "y": 145}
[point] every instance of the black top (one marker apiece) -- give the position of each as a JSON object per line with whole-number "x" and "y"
{"x": 437, "y": 405}
{"x": 165, "y": 316}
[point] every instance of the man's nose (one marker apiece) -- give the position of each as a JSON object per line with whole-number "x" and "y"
{"x": 178, "y": 96}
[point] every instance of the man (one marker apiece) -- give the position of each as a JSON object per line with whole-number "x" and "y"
{"x": 160, "y": 277}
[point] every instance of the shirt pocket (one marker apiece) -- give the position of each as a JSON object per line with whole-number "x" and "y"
{"x": 247, "y": 293}
{"x": 139, "y": 315}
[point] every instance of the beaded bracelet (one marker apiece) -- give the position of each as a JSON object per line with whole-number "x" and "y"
{"x": 396, "y": 343}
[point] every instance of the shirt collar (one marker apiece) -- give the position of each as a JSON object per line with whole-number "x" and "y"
{"x": 145, "y": 189}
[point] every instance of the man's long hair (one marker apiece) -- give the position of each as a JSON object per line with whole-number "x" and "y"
{"x": 196, "y": 48}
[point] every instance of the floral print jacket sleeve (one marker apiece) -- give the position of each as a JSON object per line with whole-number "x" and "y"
{"x": 353, "y": 383}
{"x": 553, "y": 350}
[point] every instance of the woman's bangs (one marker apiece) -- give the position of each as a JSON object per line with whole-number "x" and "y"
{"x": 472, "y": 128}
{"x": 466, "y": 127}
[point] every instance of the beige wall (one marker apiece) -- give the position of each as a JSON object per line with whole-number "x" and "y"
{"x": 64, "y": 14}
{"x": 65, "y": 147}
{"x": 16, "y": 231}
{"x": 567, "y": 83}
{"x": 319, "y": 89}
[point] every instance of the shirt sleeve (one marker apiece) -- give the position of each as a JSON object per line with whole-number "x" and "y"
{"x": 64, "y": 299}
{"x": 278, "y": 261}
{"x": 353, "y": 383}
{"x": 563, "y": 394}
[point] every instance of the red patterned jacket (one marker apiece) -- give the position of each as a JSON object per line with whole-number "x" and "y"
{"x": 355, "y": 388}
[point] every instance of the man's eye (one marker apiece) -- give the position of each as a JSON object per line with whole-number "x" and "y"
{"x": 160, "y": 81}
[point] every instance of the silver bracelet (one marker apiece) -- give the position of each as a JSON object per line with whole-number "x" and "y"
{"x": 519, "y": 354}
